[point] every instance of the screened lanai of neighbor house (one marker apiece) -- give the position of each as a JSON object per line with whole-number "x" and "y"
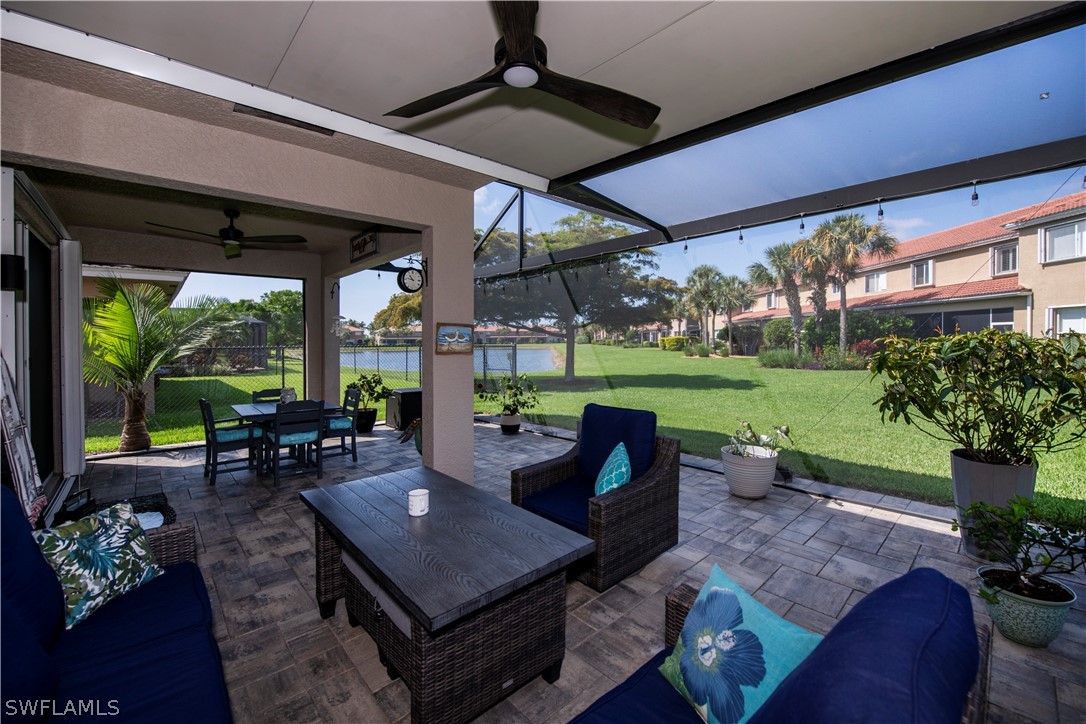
{"x": 355, "y": 130}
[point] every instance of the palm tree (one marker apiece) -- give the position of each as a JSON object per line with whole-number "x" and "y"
{"x": 781, "y": 271}
{"x": 703, "y": 294}
{"x": 814, "y": 271}
{"x": 129, "y": 332}
{"x": 846, "y": 239}
{"x": 734, "y": 295}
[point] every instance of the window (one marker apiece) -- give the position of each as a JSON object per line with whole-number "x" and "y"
{"x": 748, "y": 307}
{"x": 1005, "y": 259}
{"x": 875, "y": 282}
{"x": 1063, "y": 242}
{"x": 1070, "y": 319}
{"x": 771, "y": 300}
{"x": 1003, "y": 319}
{"x": 977, "y": 319}
{"x": 835, "y": 287}
{"x": 922, "y": 273}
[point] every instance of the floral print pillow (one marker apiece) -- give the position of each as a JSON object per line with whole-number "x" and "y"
{"x": 98, "y": 558}
{"x": 733, "y": 652}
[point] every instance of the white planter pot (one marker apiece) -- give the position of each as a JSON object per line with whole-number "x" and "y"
{"x": 510, "y": 424}
{"x": 749, "y": 477}
{"x": 993, "y": 484}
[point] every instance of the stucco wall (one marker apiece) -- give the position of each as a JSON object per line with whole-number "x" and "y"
{"x": 54, "y": 127}
{"x": 1055, "y": 284}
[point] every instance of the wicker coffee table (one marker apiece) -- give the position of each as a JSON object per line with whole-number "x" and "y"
{"x": 478, "y": 586}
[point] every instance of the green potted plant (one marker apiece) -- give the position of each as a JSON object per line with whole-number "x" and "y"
{"x": 750, "y": 461}
{"x": 513, "y": 395}
{"x": 1001, "y": 397}
{"x": 371, "y": 389}
{"x": 1026, "y": 605}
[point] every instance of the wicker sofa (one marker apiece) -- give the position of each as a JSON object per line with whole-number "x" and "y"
{"x": 149, "y": 655}
{"x": 631, "y": 525}
{"x": 905, "y": 654}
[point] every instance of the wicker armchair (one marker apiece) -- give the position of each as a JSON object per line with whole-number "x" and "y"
{"x": 631, "y": 525}
{"x": 173, "y": 543}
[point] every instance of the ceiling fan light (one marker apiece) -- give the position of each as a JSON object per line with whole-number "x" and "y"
{"x": 231, "y": 249}
{"x": 520, "y": 76}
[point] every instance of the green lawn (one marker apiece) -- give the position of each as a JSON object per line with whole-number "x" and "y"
{"x": 838, "y": 434}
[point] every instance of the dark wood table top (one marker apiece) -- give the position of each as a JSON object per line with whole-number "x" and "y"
{"x": 266, "y": 410}
{"x": 471, "y": 549}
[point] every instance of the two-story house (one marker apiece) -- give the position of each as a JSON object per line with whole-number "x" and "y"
{"x": 1024, "y": 270}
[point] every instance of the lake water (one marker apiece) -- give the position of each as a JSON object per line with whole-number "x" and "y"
{"x": 398, "y": 359}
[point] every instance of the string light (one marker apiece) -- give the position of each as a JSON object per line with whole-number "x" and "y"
{"x": 880, "y": 209}
{"x": 974, "y": 200}
{"x": 740, "y": 234}
{"x": 577, "y": 275}
{"x": 802, "y": 227}
{"x": 608, "y": 267}
{"x": 686, "y": 245}
{"x": 548, "y": 279}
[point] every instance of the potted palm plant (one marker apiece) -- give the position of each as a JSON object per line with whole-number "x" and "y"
{"x": 750, "y": 461}
{"x": 1001, "y": 397}
{"x": 1026, "y": 605}
{"x": 513, "y": 395}
{"x": 371, "y": 389}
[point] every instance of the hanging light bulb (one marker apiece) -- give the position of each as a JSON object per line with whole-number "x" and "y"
{"x": 740, "y": 234}
{"x": 608, "y": 267}
{"x": 974, "y": 200}
{"x": 686, "y": 246}
{"x": 577, "y": 275}
{"x": 802, "y": 227}
{"x": 548, "y": 279}
{"x": 484, "y": 290}
{"x": 378, "y": 275}
{"x": 880, "y": 209}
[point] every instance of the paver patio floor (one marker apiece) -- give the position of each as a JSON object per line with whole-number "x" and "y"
{"x": 806, "y": 556}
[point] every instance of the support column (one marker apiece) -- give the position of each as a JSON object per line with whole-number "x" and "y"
{"x": 447, "y": 380}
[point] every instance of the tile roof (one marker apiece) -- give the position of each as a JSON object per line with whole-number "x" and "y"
{"x": 969, "y": 290}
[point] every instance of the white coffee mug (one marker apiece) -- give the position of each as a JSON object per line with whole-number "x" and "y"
{"x": 418, "y": 502}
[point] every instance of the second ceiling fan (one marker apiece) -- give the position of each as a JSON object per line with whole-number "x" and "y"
{"x": 520, "y": 59}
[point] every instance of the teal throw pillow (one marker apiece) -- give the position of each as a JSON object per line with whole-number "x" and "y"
{"x": 733, "y": 652}
{"x": 615, "y": 472}
{"x": 98, "y": 558}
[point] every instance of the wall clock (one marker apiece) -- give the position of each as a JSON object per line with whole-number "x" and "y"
{"x": 410, "y": 280}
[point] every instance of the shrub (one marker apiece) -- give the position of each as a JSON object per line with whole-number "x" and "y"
{"x": 583, "y": 339}
{"x": 785, "y": 359}
{"x": 722, "y": 334}
{"x": 650, "y": 344}
{"x": 630, "y": 345}
{"x": 672, "y": 344}
{"x": 722, "y": 350}
{"x": 689, "y": 352}
{"x": 832, "y": 359}
{"x": 865, "y": 348}
{"x": 777, "y": 334}
{"x": 702, "y": 350}
{"x": 862, "y": 325}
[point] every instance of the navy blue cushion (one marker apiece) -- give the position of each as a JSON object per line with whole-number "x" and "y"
{"x": 926, "y": 621}
{"x": 140, "y": 614}
{"x": 151, "y": 651}
{"x": 644, "y": 697}
{"x": 26, "y": 578}
{"x": 29, "y": 675}
{"x": 565, "y": 503}
{"x": 602, "y": 428}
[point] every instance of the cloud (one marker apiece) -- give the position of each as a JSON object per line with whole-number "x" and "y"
{"x": 906, "y": 227}
{"x": 485, "y": 204}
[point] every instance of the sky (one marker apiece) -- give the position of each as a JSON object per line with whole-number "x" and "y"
{"x": 364, "y": 294}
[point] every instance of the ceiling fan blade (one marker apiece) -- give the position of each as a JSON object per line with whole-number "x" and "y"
{"x": 493, "y": 79}
{"x": 517, "y": 22}
{"x": 608, "y": 102}
{"x": 274, "y": 239}
{"x": 176, "y": 228}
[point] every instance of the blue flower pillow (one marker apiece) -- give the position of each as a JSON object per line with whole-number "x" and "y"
{"x": 733, "y": 652}
{"x": 615, "y": 472}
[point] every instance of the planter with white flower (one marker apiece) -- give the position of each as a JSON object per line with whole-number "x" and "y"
{"x": 750, "y": 461}
{"x": 513, "y": 395}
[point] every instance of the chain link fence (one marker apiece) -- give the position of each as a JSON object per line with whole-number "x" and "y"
{"x": 227, "y": 376}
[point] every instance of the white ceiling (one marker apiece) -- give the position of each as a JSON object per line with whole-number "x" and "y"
{"x": 700, "y": 62}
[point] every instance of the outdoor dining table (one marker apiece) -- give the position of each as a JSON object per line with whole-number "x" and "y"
{"x": 466, "y": 603}
{"x": 259, "y": 412}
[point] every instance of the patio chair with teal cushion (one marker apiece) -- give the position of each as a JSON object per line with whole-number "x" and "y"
{"x": 343, "y": 424}
{"x": 633, "y": 523}
{"x": 227, "y": 435}
{"x": 297, "y": 426}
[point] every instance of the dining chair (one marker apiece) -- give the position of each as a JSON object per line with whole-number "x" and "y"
{"x": 226, "y": 435}
{"x": 297, "y": 426}
{"x": 343, "y": 424}
{"x": 271, "y": 395}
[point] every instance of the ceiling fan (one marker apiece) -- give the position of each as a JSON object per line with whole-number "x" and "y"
{"x": 232, "y": 238}
{"x": 520, "y": 60}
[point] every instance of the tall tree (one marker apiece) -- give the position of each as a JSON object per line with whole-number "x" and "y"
{"x": 402, "y": 311}
{"x": 846, "y": 239}
{"x": 703, "y": 295}
{"x": 814, "y": 270}
{"x": 781, "y": 270}
{"x": 129, "y": 332}
{"x": 734, "y": 295}
{"x": 281, "y": 310}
